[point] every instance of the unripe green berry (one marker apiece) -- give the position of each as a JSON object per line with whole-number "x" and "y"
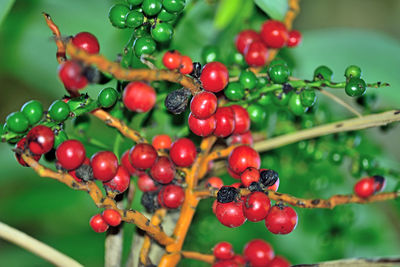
{"x": 278, "y": 73}
{"x": 144, "y": 46}
{"x": 295, "y": 105}
{"x": 248, "y": 79}
{"x": 134, "y": 2}
{"x": 33, "y": 110}
{"x": 238, "y": 59}
{"x": 210, "y": 54}
{"x": 355, "y": 87}
{"x": 261, "y": 82}
{"x": 174, "y": 6}
{"x": 278, "y": 61}
{"x": 280, "y": 98}
{"x": 107, "y": 97}
{"x": 234, "y": 91}
{"x": 17, "y": 122}
{"x": 165, "y": 16}
{"x": 265, "y": 100}
{"x": 134, "y": 19}
{"x": 257, "y": 114}
{"x": 323, "y": 73}
{"x": 59, "y": 110}
{"x": 336, "y": 157}
{"x": 352, "y": 71}
{"x": 117, "y": 15}
{"x": 151, "y": 7}
{"x": 162, "y": 32}
{"x": 308, "y": 97}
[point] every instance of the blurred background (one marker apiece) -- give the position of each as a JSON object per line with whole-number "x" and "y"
{"x": 336, "y": 33}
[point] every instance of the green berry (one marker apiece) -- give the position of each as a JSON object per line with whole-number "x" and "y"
{"x": 107, "y": 97}
{"x": 234, "y": 91}
{"x": 17, "y": 122}
{"x": 144, "y": 46}
{"x": 265, "y": 100}
{"x": 174, "y": 6}
{"x": 308, "y": 97}
{"x": 165, "y": 16}
{"x": 280, "y": 98}
{"x": 162, "y": 32}
{"x": 248, "y": 79}
{"x": 323, "y": 73}
{"x": 336, "y": 157}
{"x": 81, "y": 123}
{"x": 278, "y": 73}
{"x": 33, "y": 110}
{"x": 367, "y": 163}
{"x": 355, "y": 87}
{"x": 210, "y": 54}
{"x": 117, "y": 15}
{"x": 257, "y": 114}
{"x": 295, "y": 105}
{"x": 59, "y": 110}
{"x": 151, "y": 7}
{"x": 134, "y": 2}
{"x": 59, "y": 137}
{"x": 142, "y": 31}
{"x": 134, "y": 19}
{"x": 238, "y": 59}
{"x": 352, "y": 71}
{"x": 261, "y": 82}
{"x": 278, "y": 61}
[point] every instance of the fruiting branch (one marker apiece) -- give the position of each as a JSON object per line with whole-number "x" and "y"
{"x": 208, "y": 258}
{"x": 340, "y": 102}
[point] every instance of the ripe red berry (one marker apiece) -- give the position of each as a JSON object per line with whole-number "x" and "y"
{"x": 281, "y": 219}
{"x": 22, "y": 145}
{"x": 145, "y": 183}
{"x": 183, "y": 152}
{"x": 203, "y": 105}
{"x": 71, "y": 154}
{"x": 104, "y": 165}
{"x": 40, "y": 139}
{"x": 236, "y": 185}
{"x": 279, "y": 261}
{"x": 256, "y": 206}
{"x": 364, "y": 187}
{"x": 214, "y": 77}
{"x": 225, "y": 119}
{"x": 294, "y": 38}
{"x": 186, "y": 65}
{"x": 258, "y": 252}
{"x": 161, "y": 141}
{"x": 243, "y": 157}
{"x": 71, "y": 75}
{"x": 143, "y": 156}
{"x": 274, "y": 34}
{"x": 125, "y": 161}
{"x": 111, "y": 217}
{"x": 171, "y": 196}
{"x": 120, "y": 182}
{"x": 98, "y": 224}
{"x": 214, "y": 182}
{"x": 139, "y": 97}
{"x": 245, "y": 38}
{"x": 223, "y": 251}
{"x": 245, "y": 139}
{"x": 230, "y": 214}
{"x": 242, "y": 119}
{"x": 163, "y": 170}
{"x": 86, "y": 41}
{"x": 203, "y": 127}
{"x": 172, "y": 59}
{"x": 256, "y": 54}
{"x": 226, "y": 263}
{"x": 249, "y": 176}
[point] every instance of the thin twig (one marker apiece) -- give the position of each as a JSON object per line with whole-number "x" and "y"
{"x": 208, "y": 258}
{"x": 340, "y": 102}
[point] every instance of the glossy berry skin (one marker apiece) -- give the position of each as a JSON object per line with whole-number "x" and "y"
{"x": 256, "y": 54}
{"x": 171, "y": 196}
{"x": 234, "y": 91}
{"x": 107, "y": 97}
{"x": 151, "y": 7}
{"x": 242, "y": 119}
{"x": 226, "y": 263}
{"x": 278, "y": 73}
{"x": 144, "y": 46}
{"x": 163, "y": 170}
{"x": 203, "y": 105}
{"x": 142, "y": 156}
{"x": 352, "y": 71}
{"x": 98, "y": 224}
{"x": 281, "y": 219}
{"x": 355, "y": 87}
{"x": 225, "y": 122}
{"x": 21, "y": 145}
{"x": 243, "y": 157}
{"x": 296, "y": 106}
{"x": 71, "y": 75}
{"x": 323, "y": 73}
{"x": 174, "y": 6}
{"x": 274, "y": 34}
{"x": 145, "y": 183}
{"x": 162, "y": 32}
{"x": 87, "y": 42}
{"x": 111, "y": 217}
{"x": 33, "y": 110}
{"x": 249, "y": 176}
{"x": 245, "y": 38}
{"x": 308, "y": 97}
{"x": 40, "y": 139}
{"x": 248, "y": 79}
{"x": 126, "y": 162}
{"x": 245, "y": 139}
{"x": 223, "y": 251}
{"x": 117, "y": 15}
{"x": 161, "y": 141}
{"x": 59, "y": 111}
{"x": 202, "y": 127}
{"x": 279, "y": 261}
{"x": 134, "y": 19}
{"x": 256, "y": 206}
{"x": 214, "y": 77}
{"x": 71, "y": 154}
{"x": 139, "y": 97}
{"x": 120, "y": 182}
{"x": 365, "y": 187}
{"x": 230, "y": 214}
{"x": 183, "y": 152}
{"x": 17, "y": 122}
{"x": 172, "y": 59}
{"x": 294, "y": 38}
{"x": 214, "y": 182}
{"x": 258, "y": 253}
{"x": 104, "y": 165}
{"x": 186, "y": 65}
{"x": 164, "y": 15}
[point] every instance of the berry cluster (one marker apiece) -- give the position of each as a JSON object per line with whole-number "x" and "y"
{"x": 101, "y": 222}
{"x": 173, "y": 60}
{"x": 368, "y": 186}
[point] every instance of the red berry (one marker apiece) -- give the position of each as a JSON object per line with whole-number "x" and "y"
{"x": 86, "y": 41}
{"x": 183, "y": 152}
{"x": 214, "y": 206}
{"x": 104, "y": 165}
{"x": 125, "y": 161}
{"x": 98, "y": 224}
{"x": 111, "y": 217}
{"x": 163, "y": 171}
{"x": 225, "y": 119}
{"x": 230, "y": 214}
{"x": 294, "y": 38}
{"x": 161, "y": 141}
{"x": 249, "y": 176}
{"x": 274, "y": 34}
{"x": 245, "y": 38}
{"x": 120, "y": 182}
{"x": 214, "y": 182}
{"x": 143, "y": 156}
{"x": 364, "y": 187}
{"x": 71, "y": 75}
{"x": 203, "y": 105}
{"x": 40, "y": 139}
{"x": 256, "y": 54}
{"x": 242, "y": 119}
{"x": 214, "y": 77}
{"x": 245, "y": 139}
{"x": 73, "y": 172}
{"x": 236, "y": 185}
{"x": 22, "y": 145}
{"x": 186, "y": 65}
{"x": 258, "y": 252}
{"x": 71, "y": 154}
{"x": 139, "y": 97}
{"x": 233, "y": 174}
{"x": 243, "y": 157}
{"x": 225, "y": 263}
{"x": 279, "y": 261}
{"x": 145, "y": 183}
{"x": 171, "y": 196}
{"x": 172, "y": 59}
{"x": 239, "y": 260}
{"x": 223, "y": 251}
{"x": 202, "y": 127}
{"x": 256, "y": 206}
{"x": 281, "y": 219}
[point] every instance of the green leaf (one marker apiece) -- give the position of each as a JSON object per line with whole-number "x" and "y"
{"x": 276, "y": 9}
{"x": 5, "y": 7}
{"x": 226, "y": 12}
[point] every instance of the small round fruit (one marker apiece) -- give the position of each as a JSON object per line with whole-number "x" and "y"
{"x": 22, "y": 145}
{"x": 71, "y": 154}
{"x": 171, "y": 196}
{"x": 163, "y": 170}
{"x": 279, "y": 261}
{"x": 161, "y": 141}
{"x": 258, "y": 253}
{"x": 234, "y": 91}
{"x": 296, "y": 105}
{"x": 134, "y": 19}
{"x": 245, "y": 38}
{"x": 162, "y": 32}
{"x": 230, "y": 214}
{"x": 214, "y": 77}
{"x": 40, "y": 139}
{"x": 308, "y": 98}
{"x": 71, "y": 74}
{"x": 120, "y": 182}
{"x": 144, "y": 46}
{"x": 203, "y": 105}
{"x": 210, "y": 54}
{"x": 214, "y": 182}
{"x": 202, "y": 127}
{"x": 256, "y": 206}
{"x": 186, "y": 65}
{"x": 87, "y": 42}
{"x": 111, "y": 217}
{"x": 278, "y": 73}
{"x": 225, "y": 122}
{"x": 243, "y": 157}
{"x": 117, "y": 15}
{"x": 143, "y": 156}
{"x": 104, "y": 165}
{"x": 33, "y": 110}
{"x": 365, "y": 187}
{"x": 145, "y": 183}
{"x": 242, "y": 119}
{"x": 183, "y": 152}
{"x": 174, "y": 6}
{"x": 355, "y": 87}
{"x": 249, "y": 175}
{"x": 294, "y": 38}
{"x": 248, "y": 79}
{"x": 152, "y": 7}
{"x": 257, "y": 114}
{"x": 323, "y": 73}
{"x": 107, "y": 97}
{"x": 59, "y": 111}
{"x": 256, "y": 54}
{"x": 17, "y": 122}
{"x": 223, "y": 251}
{"x": 281, "y": 219}
{"x": 126, "y": 162}
{"x": 352, "y": 71}
{"x": 98, "y": 224}
{"x": 172, "y": 59}
{"x": 139, "y": 97}
{"x": 274, "y": 34}
{"x": 166, "y": 16}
